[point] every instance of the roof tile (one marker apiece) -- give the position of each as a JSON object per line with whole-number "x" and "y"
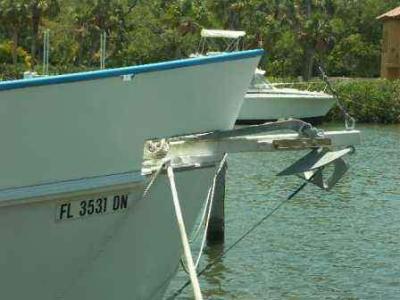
{"x": 392, "y": 14}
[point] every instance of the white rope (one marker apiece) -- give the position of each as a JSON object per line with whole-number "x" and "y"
{"x": 206, "y": 212}
{"x": 203, "y": 241}
{"x": 184, "y": 238}
{"x": 203, "y": 216}
{"x": 153, "y": 178}
{"x": 210, "y": 196}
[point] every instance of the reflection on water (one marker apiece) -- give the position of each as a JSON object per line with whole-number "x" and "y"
{"x": 342, "y": 244}
{"x": 215, "y": 275}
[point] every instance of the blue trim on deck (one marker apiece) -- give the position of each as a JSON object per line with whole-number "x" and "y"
{"x": 132, "y": 70}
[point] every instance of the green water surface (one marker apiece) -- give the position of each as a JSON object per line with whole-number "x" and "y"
{"x": 342, "y": 244}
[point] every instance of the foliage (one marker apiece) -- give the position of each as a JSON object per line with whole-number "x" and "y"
{"x": 11, "y": 71}
{"x": 369, "y": 101}
{"x": 6, "y": 53}
{"x": 296, "y": 34}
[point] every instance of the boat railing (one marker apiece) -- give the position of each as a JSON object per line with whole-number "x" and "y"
{"x": 220, "y": 41}
{"x": 303, "y": 85}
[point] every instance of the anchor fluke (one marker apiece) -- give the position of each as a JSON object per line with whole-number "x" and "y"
{"x": 311, "y": 167}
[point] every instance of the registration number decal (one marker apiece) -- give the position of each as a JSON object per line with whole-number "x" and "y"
{"x": 98, "y": 205}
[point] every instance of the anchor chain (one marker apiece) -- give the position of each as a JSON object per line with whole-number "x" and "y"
{"x": 349, "y": 121}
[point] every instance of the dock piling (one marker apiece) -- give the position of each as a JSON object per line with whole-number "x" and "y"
{"x": 216, "y": 227}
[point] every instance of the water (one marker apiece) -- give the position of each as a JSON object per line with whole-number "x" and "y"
{"x": 343, "y": 244}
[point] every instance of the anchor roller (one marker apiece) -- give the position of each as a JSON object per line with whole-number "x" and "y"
{"x": 311, "y": 167}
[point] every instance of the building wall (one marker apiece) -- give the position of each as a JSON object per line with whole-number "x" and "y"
{"x": 390, "y": 65}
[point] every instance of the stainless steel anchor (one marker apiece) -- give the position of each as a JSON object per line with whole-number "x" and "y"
{"x": 311, "y": 167}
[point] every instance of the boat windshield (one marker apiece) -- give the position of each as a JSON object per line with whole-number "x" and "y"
{"x": 260, "y": 82}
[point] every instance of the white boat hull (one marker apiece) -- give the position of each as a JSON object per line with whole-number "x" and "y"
{"x": 71, "y": 140}
{"x": 261, "y": 106}
{"x": 98, "y": 127}
{"x": 129, "y": 253}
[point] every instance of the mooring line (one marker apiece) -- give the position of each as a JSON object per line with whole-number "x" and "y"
{"x": 184, "y": 238}
{"x": 252, "y": 228}
{"x": 206, "y": 217}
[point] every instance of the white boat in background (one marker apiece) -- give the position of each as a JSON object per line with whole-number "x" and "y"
{"x": 73, "y": 220}
{"x": 264, "y": 102}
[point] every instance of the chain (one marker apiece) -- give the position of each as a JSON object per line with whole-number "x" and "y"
{"x": 349, "y": 121}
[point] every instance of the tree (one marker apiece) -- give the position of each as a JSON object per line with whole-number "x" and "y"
{"x": 343, "y": 34}
{"x": 13, "y": 18}
{"x": 38, "y": 10}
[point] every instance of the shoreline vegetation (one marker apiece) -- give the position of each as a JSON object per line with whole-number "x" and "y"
{"x": 344, "y": 36}
{"x": 368, "y": 100}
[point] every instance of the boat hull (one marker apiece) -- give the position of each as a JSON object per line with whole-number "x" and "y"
{"x": 258, "y": 108}
{"x": 128, "y": 253}
{"x": 68, "y": 130}
{"x": 73, "y": 145}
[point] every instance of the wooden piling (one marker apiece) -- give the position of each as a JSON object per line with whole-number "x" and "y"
{"x": 216, "y": 227}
